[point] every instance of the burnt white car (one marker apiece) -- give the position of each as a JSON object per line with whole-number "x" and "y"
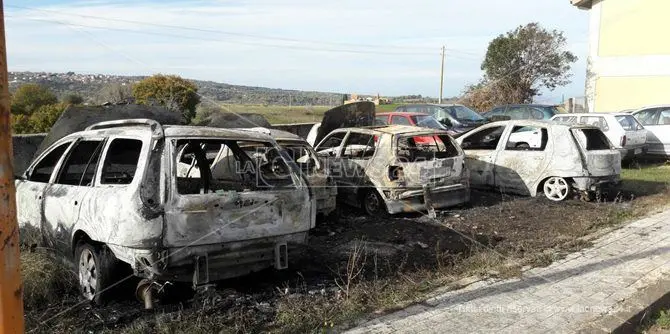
{"x": 115, "y": 195}
{"x": 534, "y": 157}
{"x": 393, "y": 169}
{"x": 322, "y": 184}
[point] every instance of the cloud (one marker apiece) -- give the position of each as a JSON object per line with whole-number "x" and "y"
{"x": 296, "y": 44}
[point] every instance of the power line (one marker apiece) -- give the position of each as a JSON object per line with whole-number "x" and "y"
{"x": 237, "y": 34}
{"x": 292, "y": 47}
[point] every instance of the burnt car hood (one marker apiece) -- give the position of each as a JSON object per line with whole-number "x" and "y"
{"x": 78, "y": 118}
{"x": 229, "y": 120}
{"x": 355, "y": 114}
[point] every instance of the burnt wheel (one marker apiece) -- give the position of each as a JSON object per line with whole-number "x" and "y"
{"x": 556, "y": 188}
{"x": 373, "y": 204}
{"x": 95, "y": 268}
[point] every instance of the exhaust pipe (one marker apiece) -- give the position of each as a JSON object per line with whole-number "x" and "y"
{"x": 144, "y": 293}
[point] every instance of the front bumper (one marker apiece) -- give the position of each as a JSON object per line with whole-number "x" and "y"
{"x": 417, "y": 200}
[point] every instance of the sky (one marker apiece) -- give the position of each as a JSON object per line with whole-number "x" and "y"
{"x": 390, "y": 47}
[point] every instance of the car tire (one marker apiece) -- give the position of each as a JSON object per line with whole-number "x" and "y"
{"x": 95, "y": 271}
{"x": 556, "y": 188}
{"x": 373, "y": 204}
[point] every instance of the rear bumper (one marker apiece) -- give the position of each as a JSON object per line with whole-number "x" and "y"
{"x": 597, "y": 183}
{"x": 436, "y": 197}
{"x": 201, "y": 264}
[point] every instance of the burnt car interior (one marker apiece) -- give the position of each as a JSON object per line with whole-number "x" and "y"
{"x": 425, "y": 148}
{"x": 121, "y": 161}
{"x": 229, "y": 165}
{"x": 486, "y": 139}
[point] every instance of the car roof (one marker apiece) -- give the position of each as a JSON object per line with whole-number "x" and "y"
{"x": 431, "y": 104}
{"x": 593, "y": 114}
{"x": 403, "y": 113}
{"x": 546, "y": 123}
{"x": 276, "y": 134}
{"x": 173, "y": 131}
{"x": 525, "y": 105}
{"x": 392, "y": 129}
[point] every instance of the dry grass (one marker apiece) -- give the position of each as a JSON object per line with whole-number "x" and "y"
{"x": 45, "y": 279}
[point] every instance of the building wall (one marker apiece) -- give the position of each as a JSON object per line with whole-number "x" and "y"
{"x": 629, "y": 56}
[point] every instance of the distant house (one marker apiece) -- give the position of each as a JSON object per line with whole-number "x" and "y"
{"x": 629, "y": 53}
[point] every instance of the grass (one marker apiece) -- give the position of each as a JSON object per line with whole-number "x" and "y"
{"x": 280, "y": 114}
{"x": 658, "y": 323}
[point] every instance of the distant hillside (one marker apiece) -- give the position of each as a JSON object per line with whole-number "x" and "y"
{"x": 89, "y": 87}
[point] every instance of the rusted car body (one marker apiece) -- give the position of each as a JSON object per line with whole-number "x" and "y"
{"x": 533, "y": 157}
{"x": 324, "y": 188}
{"x": 393, "y": 169}
{"x": 115, "y": 192}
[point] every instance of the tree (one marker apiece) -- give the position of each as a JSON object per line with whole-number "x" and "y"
{"x": 112, "y": 93}
{"x": 171, "y": 91}
{"x": 527, "y": 59}
{"x": 41, "y": 120}
{"x": 73, "y": 99}
{"x": 30, "y": 97}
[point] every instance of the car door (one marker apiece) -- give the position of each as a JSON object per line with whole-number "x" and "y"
{"x": 30, "y": 192}
{"x": 328, "y": 150}
{"x": 651, "y": 120}
{"x": 520, "y": 163}
{"x": 64, "y": 197}
{"x": 481, "y": 148}
{"x": 661, "y": 133}
{"x": 357, "y": 153}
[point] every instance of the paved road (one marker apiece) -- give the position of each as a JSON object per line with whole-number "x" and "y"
{"x": 564, "y": 297}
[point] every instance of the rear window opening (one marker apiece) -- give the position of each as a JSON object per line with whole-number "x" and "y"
{"x": 211, "y": 166}
{"x": 592, "y": 139}
{"x": 426, "y": 148}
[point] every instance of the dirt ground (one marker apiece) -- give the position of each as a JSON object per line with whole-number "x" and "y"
{"x": 389, "y": 249}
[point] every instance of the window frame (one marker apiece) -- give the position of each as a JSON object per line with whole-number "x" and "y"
{"x": 29, "y": 172}
{"x": 338, "y": 149}
{"x": 140, "y": 169}
{"x": 655, "y": 118}
{"x": 503, "y": 135}
{"x": 346, "y": 140}
{"x": 99, "y": 148}
{"x": 405, "y": 117}
{"x": 544, "y": 139}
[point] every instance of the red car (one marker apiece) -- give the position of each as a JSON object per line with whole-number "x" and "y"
{"x": 413, "y": 119}
{"x": 409, "y": 118}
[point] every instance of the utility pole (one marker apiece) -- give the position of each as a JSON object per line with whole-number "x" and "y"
{"x": 11, "y": 294}
{"x": 442, "y": 74}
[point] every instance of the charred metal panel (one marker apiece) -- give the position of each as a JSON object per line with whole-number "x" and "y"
{"x": 355, "y": 114}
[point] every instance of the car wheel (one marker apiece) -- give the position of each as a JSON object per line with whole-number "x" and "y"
{"x": 556, "y": 188}
{"x": 373, "y": 204}
{"x": 95, "y": 268}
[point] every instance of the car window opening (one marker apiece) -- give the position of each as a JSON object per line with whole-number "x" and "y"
{"x": 425, "y": 148}
{"x": 206, "y": 166}
{"x": 121, "y": 161}
{"x": 592, "y": 139}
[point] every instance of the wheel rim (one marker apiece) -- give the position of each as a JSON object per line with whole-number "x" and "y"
{"x": 88, "y": 274}
{"x": 556, "y": 188}
{"x": 371, "y": 202}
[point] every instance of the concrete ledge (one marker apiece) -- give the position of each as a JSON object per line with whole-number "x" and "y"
{"x": 633, "y": 311}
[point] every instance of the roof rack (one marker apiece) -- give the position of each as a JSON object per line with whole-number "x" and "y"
{"x": 156, "y": 128}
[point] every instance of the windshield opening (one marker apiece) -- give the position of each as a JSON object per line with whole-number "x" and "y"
{"x": 303, "y": 155}
{"x": 426, "y": 148}
{"x": 213, "y": 166}
{"x": 462, "y": 113}
{"x": 426, "y": 121}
